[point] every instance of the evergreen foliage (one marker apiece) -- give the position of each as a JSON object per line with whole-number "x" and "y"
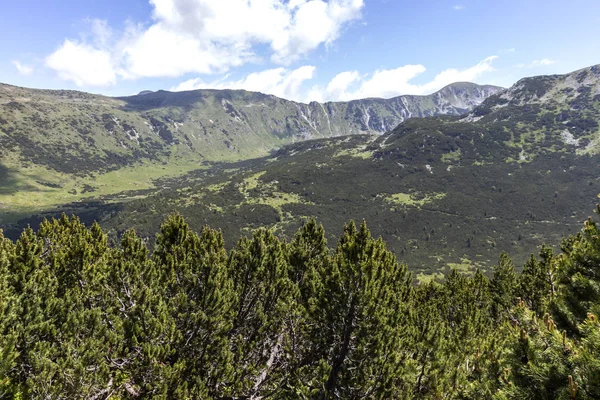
{"x": 503, "y": 286}
{"x": 579, "y": 277}
{"x": 357, "y": 304}
{"x": 81, "y": 318}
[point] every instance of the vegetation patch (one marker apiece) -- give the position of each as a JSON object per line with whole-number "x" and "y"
{"x": 412, "y": 200}
{"x": 425, "y": 278}
{"x": 453, "y": 156}
{"x": 359, "y": 152}
{"x": 255, "y": 191}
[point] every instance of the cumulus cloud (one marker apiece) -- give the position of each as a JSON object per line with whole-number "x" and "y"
{"x": 280, "y": 82}
{"x": 347, "y": 85}
{"x": 338, "y": 87}
{"x": 537, "y": 63}
{"x": 313, "y": 23}
{"x": 83, "y": 64}
{"x": 207, "y": 36}
{"x": 395, "y": 82}
{"x": 23, "y": 69}
{"x": 458, "y": 7}
{"x": 160, "y": 52}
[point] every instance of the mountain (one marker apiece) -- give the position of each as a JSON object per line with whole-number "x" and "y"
{"x": 67, "y": 130}
{"x": 59, "y": 147}
{"x": 517, "y": 171}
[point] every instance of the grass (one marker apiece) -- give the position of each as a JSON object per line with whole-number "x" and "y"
{"x": 251, "y": 183}
{"x": 466, "y": 265}
{"x": 424, "y": 278}
{"x": 36, "y": 188}
{"x": 277, "y": 200}
{"x": 253, "y": 191}
{"x": 268, "y": 194}
{"x": 412, "y": 200}
{"x": 452, "y": 156}
{"x": 593, "y": 146}
{"x": 217, "y": 188}
{"x": 359, "y": 152}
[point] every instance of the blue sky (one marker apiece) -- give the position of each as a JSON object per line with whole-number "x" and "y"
{"x": 297, "y": 49}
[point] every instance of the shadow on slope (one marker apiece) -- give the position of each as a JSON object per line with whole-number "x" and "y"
{"x": 10, "y": 182}
{"x": 89, "y": 212}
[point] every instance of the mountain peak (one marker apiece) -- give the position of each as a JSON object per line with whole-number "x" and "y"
{"x": 469, "y": 86}
{"x": 567, "y": 91}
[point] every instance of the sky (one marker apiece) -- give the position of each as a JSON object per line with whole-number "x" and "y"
{"x": 302, "y": 50}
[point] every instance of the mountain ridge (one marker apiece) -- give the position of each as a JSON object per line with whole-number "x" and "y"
{"x": 62, "y": 146}
{"x": 61, "y": 129}
{"x": 445, "y": 88}
{"x": 446, "y": 191}
{"x": 442, "y": 192}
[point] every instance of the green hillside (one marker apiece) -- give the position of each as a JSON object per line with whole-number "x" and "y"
{"x": 445, "y": 192}
{"x": 59, "y": 147}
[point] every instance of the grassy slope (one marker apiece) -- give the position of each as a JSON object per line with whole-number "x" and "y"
{"x": 59, "y": 147}
{"x": 441, "y": 191}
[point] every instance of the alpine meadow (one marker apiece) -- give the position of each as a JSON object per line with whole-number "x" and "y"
{"x": 293, "y": 206}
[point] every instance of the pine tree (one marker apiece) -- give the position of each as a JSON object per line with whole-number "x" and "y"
{"x": 548, "y": 364}
{"x": 587, "y": 358}
{"x": 503, "y": 286}
{"x": 307, "y": 252}
{"x": 200, "y": 300}
{"x": 82, "y": 319}
{"x": 558, "y": 356}
{"x": 33, "y": 287}
{"x": 264, "y": 304}
{"x": 536, "y": 282}
{"x": 309, "y": 246}
{"x": 466, "y": 312}
{"x": 8, "y": 321}
{"x": 139, "y": 313}
{"x": 73, "y": 358}
{"x": 578, "y": 276}
{"x": 358, "y": 303}
{"x": 429, "y": 339}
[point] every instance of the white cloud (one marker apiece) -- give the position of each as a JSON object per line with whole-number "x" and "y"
{"x": 537, "y": 63}
{"x": 280, "y": 82}
{"x": 23, "y": 69}
{"x": 454, "y": 75}
{"x": 395, "y": 82}
{"x": 83, "y": 64}
{"x": 207, "y": 36}
{"x": 338, "y": 87}
{"x": 160, "y": 52}
{"x": 545, "y": 61}
{"x": 389, "y": 83}
{"x": 312, "y": 24}
{"x": 348, "y": 85}
{"x": 458, "y": 7}
{"x": 102, "y": 34}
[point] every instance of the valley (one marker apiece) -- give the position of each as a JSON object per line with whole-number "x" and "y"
{"x": 444, "y": 192}
{"x": 60, "y": 147}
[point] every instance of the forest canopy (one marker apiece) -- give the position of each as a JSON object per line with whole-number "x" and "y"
{"x": 82, "y": 318}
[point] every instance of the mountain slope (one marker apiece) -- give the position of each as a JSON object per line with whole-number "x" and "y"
{"x": 521, "y": 169}
{"x": 59, "y": 147}
{"x": 69, "y": 131}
